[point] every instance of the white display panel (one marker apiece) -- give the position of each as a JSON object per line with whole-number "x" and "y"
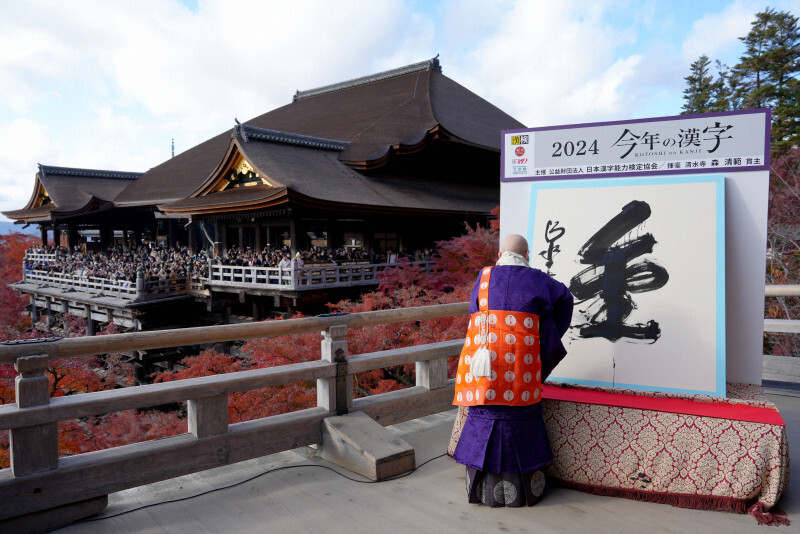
{"x": 645, "y": 260}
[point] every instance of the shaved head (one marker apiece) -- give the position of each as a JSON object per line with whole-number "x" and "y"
{"x": 514, "y": 243}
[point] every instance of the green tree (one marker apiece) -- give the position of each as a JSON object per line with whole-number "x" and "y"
{"x": 721, "y": 93}
{"x": 766, "y": 75}
{"x": 698, "y": 95}
{"x": 704, "y": 93}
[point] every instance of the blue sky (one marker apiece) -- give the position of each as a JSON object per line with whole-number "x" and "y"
{"x": 108, "y": 84}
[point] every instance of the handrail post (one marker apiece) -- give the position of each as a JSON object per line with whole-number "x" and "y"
{"x": 432, "y": 374}
{"x": 335, "y": 393}
{"x": 208, "y": 416}
{"x": 139, "y": 284}
{"x": 33, "y": 448}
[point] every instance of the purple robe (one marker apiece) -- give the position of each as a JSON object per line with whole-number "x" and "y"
{"x": 499, "y": 438}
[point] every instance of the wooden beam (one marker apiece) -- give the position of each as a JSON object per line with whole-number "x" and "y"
{"x": 100, "y": 402}
{"x": 389, "y": 358}
{"x": 406, "y": 404}
{"x": 782, "y": 325}
{"x": 781, "y": 369}
{"x": 94, "y": 474}
{"x": 211, "y": 334}
{"x": 782, "y": 290}
{"x": 54, "y": 518}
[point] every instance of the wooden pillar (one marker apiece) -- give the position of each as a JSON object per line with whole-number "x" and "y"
{"x": 293, "y": 236}
{"x": 171, "y": 233}
{"x": 48, "y": 306}
{"x": 73, "y": 238}
{"x": 335, "y": 394}
{"x": 106, "y": 237}
{"x": 34, "y": 310}
{"x": 91, "y": 327}
{"x": 33, "y": 448}
{"x": 43, "y": 234}
{"x": 335, "y": 235}
{"x": 137, "y": 236}
{"x": 222, "y": 238}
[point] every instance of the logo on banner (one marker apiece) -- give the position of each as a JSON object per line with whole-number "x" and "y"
{"x": 519, "y": 139}
{"x": 519, "y": 151}
{"x": 521, "y": 161}
{"x": 520, "y": 169}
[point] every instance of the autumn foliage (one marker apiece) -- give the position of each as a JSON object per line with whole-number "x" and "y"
{"x": 783, "y": 247}
{"x": 13, "y": 247}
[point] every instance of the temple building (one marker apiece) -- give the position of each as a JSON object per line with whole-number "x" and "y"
{"x": 388, "y": 162}
{"x": 377, "y": 166}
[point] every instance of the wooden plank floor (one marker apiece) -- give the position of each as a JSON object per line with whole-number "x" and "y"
{"x": 296, "y": 493}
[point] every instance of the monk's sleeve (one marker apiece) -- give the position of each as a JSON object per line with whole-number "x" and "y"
{"x": 562, "y": 309}
{"x": 553, "y": 326}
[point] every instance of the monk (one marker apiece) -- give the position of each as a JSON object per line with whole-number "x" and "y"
{"x": 517, "y": 318}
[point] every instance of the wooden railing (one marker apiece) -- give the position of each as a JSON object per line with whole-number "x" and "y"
{"x": 138, "y": 291}
{"x": 86, "y": 284}
{"x": 310, "y": 277}
{"x": 48, "y": 257}
{"x": 39, "y": 480}
{"x": 313, "y": 277}
{"x": 781, "y": 368}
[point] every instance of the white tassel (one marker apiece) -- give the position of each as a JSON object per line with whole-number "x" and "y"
{"x": 481, "y": 363}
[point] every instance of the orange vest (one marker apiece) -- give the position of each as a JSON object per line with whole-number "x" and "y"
{"x": 513, "y": 342}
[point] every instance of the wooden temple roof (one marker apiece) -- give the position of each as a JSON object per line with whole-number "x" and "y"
{"x": 308, "y": 170}
{"x": 372, "y": 118}
{"x": 382, "y": 142}
{"x": 66, "y": 191}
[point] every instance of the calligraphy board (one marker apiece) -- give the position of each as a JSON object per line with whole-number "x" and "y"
{"x": 645, "y": 261}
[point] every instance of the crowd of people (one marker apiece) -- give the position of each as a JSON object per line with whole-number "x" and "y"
{"x": 157, "y": 263}
{"x": 177, "y": 263}
{"x": 272, "y": 257}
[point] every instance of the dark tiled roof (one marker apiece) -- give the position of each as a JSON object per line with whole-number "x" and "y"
{"x": 264, "y": 134}
{"x": 431, "y": 64}
{"x": 30, "y": 214}
{"x": 374, "y": 114}
{"x": 49, "y": 170}
{"x": 240, "y": 196}
{"x": 73, "y": 190}
{"x": 315, "y": 175}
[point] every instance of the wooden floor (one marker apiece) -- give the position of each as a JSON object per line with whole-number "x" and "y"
{"x": 296, "y": 493}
